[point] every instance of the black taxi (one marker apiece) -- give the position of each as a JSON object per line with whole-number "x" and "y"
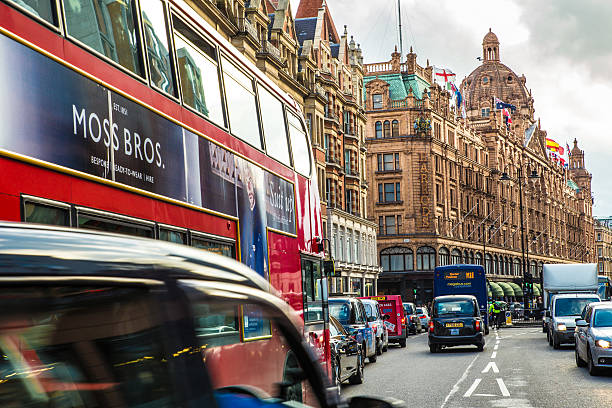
{"x": 98, "y": 320}
{"x": 455, "y": 321}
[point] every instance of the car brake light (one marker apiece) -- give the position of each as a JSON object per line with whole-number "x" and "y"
{"x": 422, "y": 317}
{"x": 477, "y": 325}
{"x": 403, "y": 320}
{"x": 431, "y": 326}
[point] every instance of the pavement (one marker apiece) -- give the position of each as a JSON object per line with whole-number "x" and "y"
{"x": 516, "y": 369}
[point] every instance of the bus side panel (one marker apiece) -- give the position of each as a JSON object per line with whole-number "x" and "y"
{"x": 9, "y": 207}
{"x": 285, "y": 269}
{"x": 302, "y": 203}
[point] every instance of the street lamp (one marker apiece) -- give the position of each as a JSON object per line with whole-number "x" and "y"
{"x": 520, "y": 178}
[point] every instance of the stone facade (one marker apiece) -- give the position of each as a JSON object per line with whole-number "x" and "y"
{"x": 336, "y": 118}
{"x": 603, "y": 242}
{"x": 446, "y": 188}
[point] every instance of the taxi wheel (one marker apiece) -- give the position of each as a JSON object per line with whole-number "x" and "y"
{"x": 434, "y": 348}
{"x": 579, "y": 362}
{"x": 379, "y": 349}
{"x": 373, "y": 358}
{"x": 556, "y": 343}
{"x": 593, "y": 370}
{"x": 402, "y": 342}
{"x": 357, "y": 378}
{"x": 480, "y": 347}
{"x": 549, "y": 338}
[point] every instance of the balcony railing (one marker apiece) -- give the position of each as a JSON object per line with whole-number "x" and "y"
{"x": 269, "y": 48}
{"x": 245, "y": 26}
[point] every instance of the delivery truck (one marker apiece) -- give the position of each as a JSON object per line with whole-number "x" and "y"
{"x": 560, "y": 279}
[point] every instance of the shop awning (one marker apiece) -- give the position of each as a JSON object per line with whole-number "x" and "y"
{"x": 496, "y": 290}
{"x": 536, "y": 289}
{"x": 516, "y": 288}
{"x": 506, "y": 288}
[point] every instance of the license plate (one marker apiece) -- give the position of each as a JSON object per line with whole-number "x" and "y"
{"x": 454, "y": 324}
{"x": 454, "y": 332}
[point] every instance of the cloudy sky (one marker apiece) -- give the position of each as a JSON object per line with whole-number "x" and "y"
{"x": 564, "y": 48}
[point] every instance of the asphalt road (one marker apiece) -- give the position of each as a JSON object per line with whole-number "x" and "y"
{"x": 516, "y": 369}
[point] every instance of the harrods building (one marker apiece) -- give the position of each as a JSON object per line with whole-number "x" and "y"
{"x": 447, "y": 189}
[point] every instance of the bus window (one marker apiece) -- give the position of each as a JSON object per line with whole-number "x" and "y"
{"x": 273, "y": 123}
{"x": 43, "y": 9}
{"x": 198, "y": 74}
{"x": 107, "y": 27}
{"x": 94, "y": 222}
{"x": 215, "y": 324}
{"x": 299, "y": 145}
{"x": 46, "y": 214}
{"x": 178, "y": 237}
{"x": 241, "y": 104}
{"x": 216, "y": 247}
{"x": 313, "y": 290}
{"x": 158, "y": 51}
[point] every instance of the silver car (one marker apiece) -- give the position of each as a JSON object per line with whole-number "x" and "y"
{"x": 423, "y": 315}
{"x": 376, "y": 323}
{"x": 593, "y": 336}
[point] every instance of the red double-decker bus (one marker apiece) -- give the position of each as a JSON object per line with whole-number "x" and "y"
{"x": 137, "y": 117}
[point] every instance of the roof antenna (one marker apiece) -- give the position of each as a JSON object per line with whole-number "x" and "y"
{"x": 399, "y": 19}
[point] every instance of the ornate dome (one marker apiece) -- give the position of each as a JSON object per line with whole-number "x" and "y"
{"x": 494, "y": 79}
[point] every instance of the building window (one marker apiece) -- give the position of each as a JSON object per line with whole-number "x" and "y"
{"x": 387, "y": 129}
{"x": 396, "y": 259}
{"x": 426, "y": 259}
{"x": 389, "y": 192}
{"x": 395, "y": 128}
{"x": 390, "y": 226}
{"x": 485, "y": 112}
{"x": 388, "y": 161}
{"x": 377, "y": 101}
{"x": 378, "y": 130}
{"x": 443, "y": 256}
{"x": 455, "y": 257}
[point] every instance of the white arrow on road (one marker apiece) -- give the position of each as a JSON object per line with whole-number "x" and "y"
{"x": 489, "y": 366}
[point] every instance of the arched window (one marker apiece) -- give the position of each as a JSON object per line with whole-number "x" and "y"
{"x": 396, "y": 259}
{"x": 395, "y": 128}
{"x": 378, "y": 129}
{"x": 387, "y": 129}
{"x": 488, "y": 266}
{"x": 472, "y": 259}
{"x": 455, "y": 257}
{"x": 507, "y": 266}
{"x": 540, "y": 267}
{"x": 466, "y": 257}
{"x": 426, "y": 259}
{"x": 478, "y": 258}
{"x": 495, "y": 270}
{"x": 517, "y": 267}
{"x": 443, "y": 256}
{"x": 533, "y": 268}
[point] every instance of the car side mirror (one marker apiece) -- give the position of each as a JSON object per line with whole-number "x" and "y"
{"x": 371, "y": 319}
{"x": 386, "y": 317}
{"x": 581, "y": 323}
{"x": 547, "y": 313}
{"x": 375, "y": 402}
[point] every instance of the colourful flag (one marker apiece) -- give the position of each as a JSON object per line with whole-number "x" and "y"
{"x": 552, "y": 145}
{"x": 445, "y": 75}
{"x": 569, "y": 152}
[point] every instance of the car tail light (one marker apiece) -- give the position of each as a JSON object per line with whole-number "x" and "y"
{"x": 477, "y": 325}
{"x": 422, "y": 316}
{"x": 403, "y": 320}
{"x": 431, "y": 326}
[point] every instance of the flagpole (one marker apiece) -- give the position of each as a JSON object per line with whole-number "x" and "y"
{"x": 399, "y": 19}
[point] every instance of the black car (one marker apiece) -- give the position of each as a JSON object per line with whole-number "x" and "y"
{"x": 456, "y": 322}
{"x": 94, "y": 319}
{"x": 346, "y": 356}
{"x": 412, "y": 318}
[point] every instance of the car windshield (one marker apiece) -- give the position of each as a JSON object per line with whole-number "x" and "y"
{"x": 341, "y": 311}
{"x": 369, "y": 310}
{"x": 455, "y": 308}
{"x": 572, "y": 306}
{"x": 420, "y": 310}
{"x": 603, "y": 318}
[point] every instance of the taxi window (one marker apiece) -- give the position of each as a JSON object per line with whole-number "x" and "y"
{"x": 455, "y": 308}
{"x": 368, "y": 309}
{"x": 341, "y": 311}
{"x": 603, "y": 318}
{"x": 230, "y": 353}
{"x": 89, "y": 347}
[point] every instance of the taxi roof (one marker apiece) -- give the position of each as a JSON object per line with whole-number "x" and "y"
{"x": 41, "y": 250}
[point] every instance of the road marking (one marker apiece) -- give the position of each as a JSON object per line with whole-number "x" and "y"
{"x": 502, "y": 387}
{"x": 473, "y": 387}
{"x": 456, "y": 386}
{"x": 494, "y": 354}
{"x": 496, "y": 347}
{"x": 497, "y": 342}
{"x": 489, "y": 366}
